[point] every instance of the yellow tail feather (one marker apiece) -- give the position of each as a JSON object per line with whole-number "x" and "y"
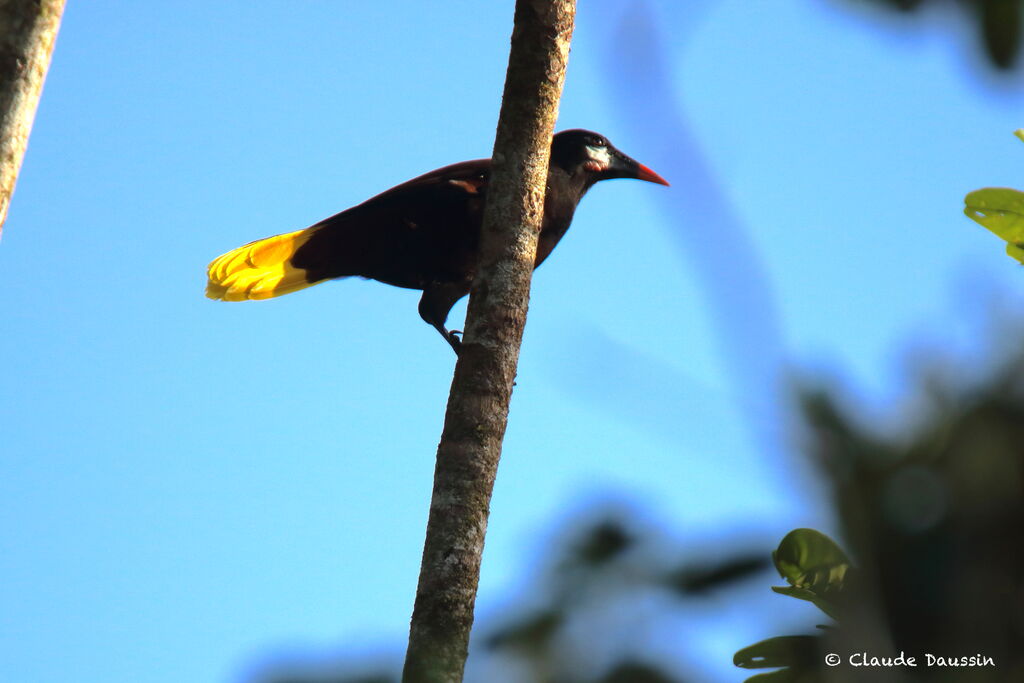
{"x": 259, "y": 270}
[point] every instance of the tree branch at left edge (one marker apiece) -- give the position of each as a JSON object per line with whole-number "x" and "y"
{"x": 28, "y": 32}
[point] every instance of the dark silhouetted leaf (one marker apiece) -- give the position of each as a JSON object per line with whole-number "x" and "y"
{"x": 694, "y": 580}
{"x": 528, "y": 634}
{"x": 604, "y": 542}
{"x": 635, "y": 672}
{"x": 1000, "y": 26}
{"x": 793, "y": 651}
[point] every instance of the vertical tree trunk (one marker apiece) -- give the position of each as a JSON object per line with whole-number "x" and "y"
{"x": 28, "y": 30}
{"x": 467, "y": 457}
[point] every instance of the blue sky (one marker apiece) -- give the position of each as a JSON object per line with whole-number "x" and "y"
{"x": 188, "y": 487}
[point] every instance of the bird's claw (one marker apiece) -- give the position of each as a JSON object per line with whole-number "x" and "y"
{"x": 453, "y": 339}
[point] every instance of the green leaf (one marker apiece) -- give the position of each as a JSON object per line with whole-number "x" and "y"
{"x": 810, "y": 559}
{"x": 798, "y": 651}
{"x": 1001, "y": 210}
{"x": 818, "y": 571}
{"x": 815, "y": 567}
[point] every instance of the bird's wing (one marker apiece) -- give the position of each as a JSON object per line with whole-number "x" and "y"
{"x": 424, "y": 230}
{"x": 469, "y": 176}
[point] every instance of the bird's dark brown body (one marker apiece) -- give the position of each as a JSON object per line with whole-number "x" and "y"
{"x": 423, "y": 234}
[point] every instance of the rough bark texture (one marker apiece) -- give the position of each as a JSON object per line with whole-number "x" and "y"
{"x": 467, "y": 457}
{"x": 28, "y": 30}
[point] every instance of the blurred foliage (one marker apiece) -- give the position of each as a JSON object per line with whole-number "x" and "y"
{"x": 998, "y": 23}
{"x": 1001, "y": 210}
{"x": 327, "y": 677}
{"x": 817, "y": 571}
{"x": 934, "y": 518}
{"x": 572, "y": 614}
{"x": 931, "y": 518}
{"x": 611, "y": 563}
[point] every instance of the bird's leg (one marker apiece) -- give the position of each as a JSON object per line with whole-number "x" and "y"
{"x": 452, "y": 338}
{"x": 449, "y": 335}
{"x": 438, "y": 298}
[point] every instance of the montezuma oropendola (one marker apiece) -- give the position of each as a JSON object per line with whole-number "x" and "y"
{"x": 423, "y": 234}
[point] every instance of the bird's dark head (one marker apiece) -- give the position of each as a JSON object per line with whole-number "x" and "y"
{"x": 585, "y": 153}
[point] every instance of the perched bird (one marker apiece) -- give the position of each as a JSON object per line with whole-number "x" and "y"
{"x": 423, "y": 234}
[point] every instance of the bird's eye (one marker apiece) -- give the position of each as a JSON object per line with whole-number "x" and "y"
{"x": 598, "y": 142}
